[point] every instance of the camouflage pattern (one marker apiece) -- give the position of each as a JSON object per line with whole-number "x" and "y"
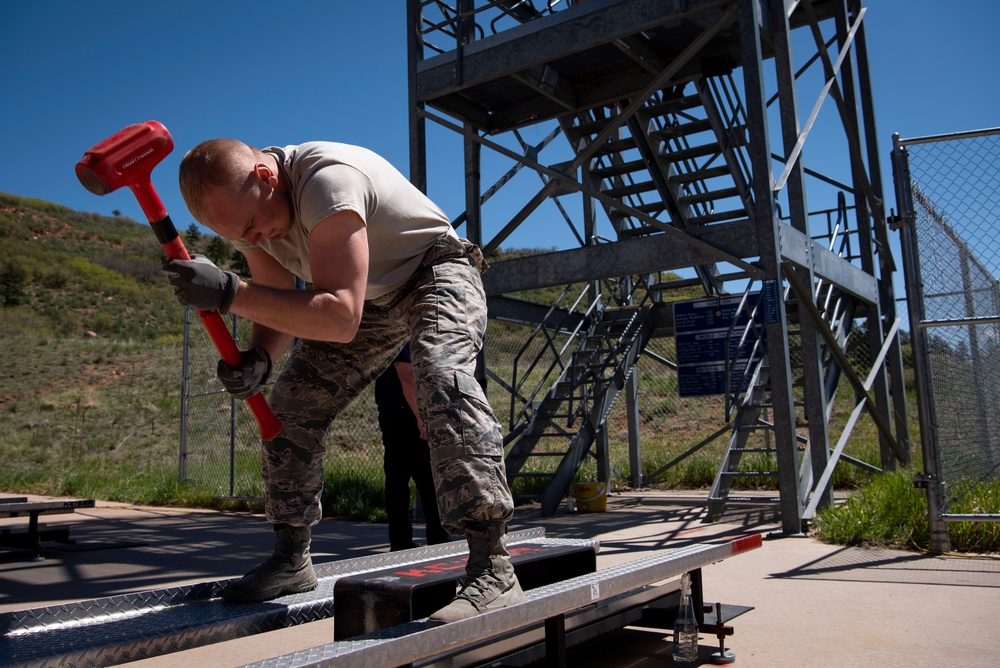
{"x": 442, "y": 312}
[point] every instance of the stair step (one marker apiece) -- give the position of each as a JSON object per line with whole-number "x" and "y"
{"x": 672, "y": 105}
{"x": 689, "y": 153}
{"x": 718, "y": 216}
{"x": 614, "y": 326}
{"x": 683, "y": 130}
{"x": 651, "y": 208}
{"x": 630, "y": 189}
{"x": 709, "y": 196}
{"x": 589, "y": 127}
{"x": 618, "y": 170}
{"x": 700, "y": 175}
{"x": 614, "y": 146}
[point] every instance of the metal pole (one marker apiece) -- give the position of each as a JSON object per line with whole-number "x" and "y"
{"x": 185, "y": 390}
{"x": 233, "y": 409}
{"x": 887, "y": 291}
{"x": 634, "y": 440}
{"x": 930, "y": 480}
{"x": 766, "y": 220}
{"x": 812, "y": 366}
{"x": 418, "y": 134}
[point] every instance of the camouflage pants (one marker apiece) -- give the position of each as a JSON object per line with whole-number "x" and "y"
{"x": 442, "y": 312}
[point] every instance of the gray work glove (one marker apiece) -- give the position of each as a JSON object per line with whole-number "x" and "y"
{"x": 245, "y": 380}
{"x": 198, "y": 283}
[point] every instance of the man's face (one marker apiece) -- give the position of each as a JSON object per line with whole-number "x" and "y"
{"x": 251, "y": 214}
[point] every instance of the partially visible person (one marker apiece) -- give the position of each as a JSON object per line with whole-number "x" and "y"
{"x": 406, "y": 455}
{"x": 385, "y": 267}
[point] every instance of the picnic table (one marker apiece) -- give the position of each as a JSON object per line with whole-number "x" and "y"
{"x": 31, "y": 538}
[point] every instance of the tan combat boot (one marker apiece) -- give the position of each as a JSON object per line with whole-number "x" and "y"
{"x": 288, "y": 571}
{"x": 490, "y": 583}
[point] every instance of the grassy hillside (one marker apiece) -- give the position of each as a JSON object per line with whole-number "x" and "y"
{"x": 69, "y": 274}
{"x": 90, "y": 388}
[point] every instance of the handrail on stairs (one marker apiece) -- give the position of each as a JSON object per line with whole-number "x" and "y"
{"x": 561, "y": 369}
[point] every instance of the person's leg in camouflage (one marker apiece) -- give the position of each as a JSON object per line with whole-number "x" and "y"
{"x": 446, "y": 312}
{"x": 320, "y": 380}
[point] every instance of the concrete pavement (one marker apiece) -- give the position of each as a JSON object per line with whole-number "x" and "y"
{"x": 814, "y": 604}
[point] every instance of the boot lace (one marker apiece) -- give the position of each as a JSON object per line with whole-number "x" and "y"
{"x": 479, "y": 588}
{"x": 272, "y": 564}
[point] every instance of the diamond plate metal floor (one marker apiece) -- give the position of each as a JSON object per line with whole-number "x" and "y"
{"x": 117, "y": 629}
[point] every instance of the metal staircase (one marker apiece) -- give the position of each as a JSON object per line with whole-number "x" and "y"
{"x": 680, "y": 159}
{"x": 555, "y": 431}
{"x": 750, "y": 450}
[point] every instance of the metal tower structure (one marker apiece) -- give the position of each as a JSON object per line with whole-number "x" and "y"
{"x": 669, "y": 142}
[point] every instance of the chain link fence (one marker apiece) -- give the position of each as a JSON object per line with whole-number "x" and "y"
{"x": 673, "y": 441}
{"x": 950, "y": 196}
{"x": 220, "y": 442}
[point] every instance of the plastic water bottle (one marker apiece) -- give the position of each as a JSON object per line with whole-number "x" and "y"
{"x": 686, "y": 628}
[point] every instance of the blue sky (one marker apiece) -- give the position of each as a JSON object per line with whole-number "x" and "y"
{"x": 268, "y": 73}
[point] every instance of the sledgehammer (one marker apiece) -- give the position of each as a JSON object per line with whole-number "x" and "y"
{"x": 127, "y": 158}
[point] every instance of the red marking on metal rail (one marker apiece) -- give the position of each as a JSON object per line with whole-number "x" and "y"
{"x": 747, "y": 543}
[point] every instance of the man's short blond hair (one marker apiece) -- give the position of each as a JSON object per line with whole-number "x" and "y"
{"x": 214, "y": 163}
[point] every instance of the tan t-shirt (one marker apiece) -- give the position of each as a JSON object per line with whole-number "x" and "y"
{"x": 325, "y": 178}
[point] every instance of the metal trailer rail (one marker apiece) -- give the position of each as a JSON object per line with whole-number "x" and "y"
{"x": 415, "y": 644}
{"x": 129, "y": 627}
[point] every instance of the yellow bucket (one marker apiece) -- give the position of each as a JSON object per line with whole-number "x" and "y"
{"x": 591, "y": 497}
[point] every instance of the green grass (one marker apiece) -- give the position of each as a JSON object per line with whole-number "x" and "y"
{"x": 352, "y": 493}
{"x": 977, "y": 536}
{"x": 888, "y": 512}
{"x": 891, "y": 512}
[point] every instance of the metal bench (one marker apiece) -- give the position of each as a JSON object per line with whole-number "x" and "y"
{"x": 541, "y": 622}
{"x": 129, "y": 627}
{"x": 32, "y": 537}
{"x": 369, "y": 602}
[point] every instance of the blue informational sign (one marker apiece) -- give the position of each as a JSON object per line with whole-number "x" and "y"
{"x": 703, "y": 330}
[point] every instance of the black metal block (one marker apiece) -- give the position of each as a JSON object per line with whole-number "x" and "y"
{"x": 376, "y": 600}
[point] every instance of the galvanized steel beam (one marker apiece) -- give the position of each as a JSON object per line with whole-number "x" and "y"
{"x": 414, "y": 642}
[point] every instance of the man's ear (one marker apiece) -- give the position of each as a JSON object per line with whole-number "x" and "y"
{"x": 265, "y": 174}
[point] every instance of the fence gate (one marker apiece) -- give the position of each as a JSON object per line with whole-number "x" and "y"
{"x": 948, "y": 191}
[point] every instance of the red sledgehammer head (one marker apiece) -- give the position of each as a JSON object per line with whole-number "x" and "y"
{"x": 126, "y": 158}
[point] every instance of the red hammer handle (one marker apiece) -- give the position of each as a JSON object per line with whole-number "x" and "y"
{"x": 173, "y": 246}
